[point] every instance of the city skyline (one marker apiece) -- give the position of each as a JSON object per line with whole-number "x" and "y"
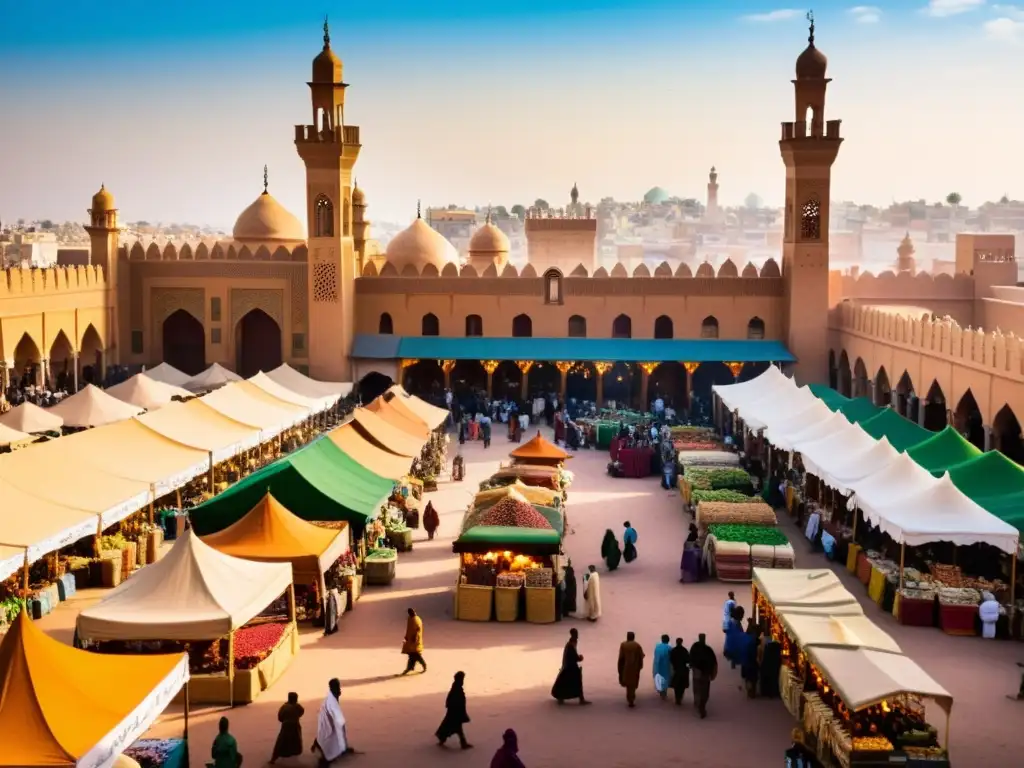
{"x": 177, "y": 113}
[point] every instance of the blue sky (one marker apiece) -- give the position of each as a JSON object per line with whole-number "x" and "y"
{"x": 177, "y": 106}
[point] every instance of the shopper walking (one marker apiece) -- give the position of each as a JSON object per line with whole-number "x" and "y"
{"x": 704, "y": 665}
{"x": 225, "y": 749}
{"x": 679, "y": 658}
{"x": 412, "y": 646}
{"x": 289, "y": 739}
{"x": 569, "y": 683}
{"x": 455, "y": 716}
{"x": 631, "y": 661}
{"x": 507, "y": 755}
{"x": 662, "y": 666}
{"x": 592, "y": 594}
{"x": 629, "y": 543}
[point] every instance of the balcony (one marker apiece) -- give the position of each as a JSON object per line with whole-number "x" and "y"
{"x": 799, "y": 130}
{"x": 342, "y": 134}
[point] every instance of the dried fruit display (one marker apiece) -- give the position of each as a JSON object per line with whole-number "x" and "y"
{"x": 872, "y": 744}
{"x": 510, "y": 579}
{"x": 956, "y": 596}
{"x": 253, "y": 644}
{"x": 540, "y": 577}
{"x": 514, "y": 513}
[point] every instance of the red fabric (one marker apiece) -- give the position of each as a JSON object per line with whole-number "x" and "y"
{"x": 863, "y": 568}
{"x": 636, "y": 462}
{"x": 917, "y": 613}
{"x": 958, "y": 619}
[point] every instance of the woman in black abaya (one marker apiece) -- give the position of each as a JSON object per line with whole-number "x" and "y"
{"x": 569, "y": 683}
{"x": 455, "y": 714}
{"x": 569, "y": 596}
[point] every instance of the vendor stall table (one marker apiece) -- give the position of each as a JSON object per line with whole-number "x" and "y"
{"x": 914, "y": 612}
{"x": 958, "y": 619}
{"x": 636, "y": 462}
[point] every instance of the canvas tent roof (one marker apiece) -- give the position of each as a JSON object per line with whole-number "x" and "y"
{"x": 830, "y": 425}
{"x": 288, "y": 377}
{"x": 1008, "y": 508}
{"x": 902, "y": 433}
{"x": 864, "y": 677}
{"x": 193, "y": 593}
{"x": 433, "y": 416}
{"x": 837, "y": 632}
{"x": 10, "y": 436}
{"x": 537, "y": 448}
{"x": 847, "y": 457}
{"x": 781, "y": 430}
{"x": 198, "y": 425}
{"x": 390, "y": 407}
{"x": 390, "y": 437}
{"x": 832, "y": 398}
{"x": 943, "y": 451}
{"x": 788, "y": 403}
{"x": 317, "y": 482}
{"x": 735, "y": 394}
{"x": 354, "y": 442}
{"x": 858, "y": 409}
{"x": 29, "y": 417}
{"x": 168, "y": 374}
{"x": 485, "y": 538}
{"x": 530, "y": 493}
{"x": 282, "y": 393}
{"x": 901, "y": 481}
{"x": 52, "y": 698}
{"x": 814, "y": 591}
{"x": 92, "y": 407}
{"x": 142, "y": 391}
{"x": 214, "y": 377}
{"x": 988, "y": 475}
{"x": 942, "y": 513}
{"x": 248, "y": 404}
{"x": 269, "y": 533}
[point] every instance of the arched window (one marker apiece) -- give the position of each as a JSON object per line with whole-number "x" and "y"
{"x": 323, "y": 218}
{"x": 385, "y": 326}
{"x": 474, "y": 325}
{"x": 622, "y": 327}
{"x": 755, "y": 328}
{"x": 663, "y": 327}
{"x": 552, "y": 287}
{"x": 522, "y": 326}
{"x": 810, "y": 220}
{"x": 709, "y": 328}
{"x": 577, "y": 327}
{"x": 430, "y": 325}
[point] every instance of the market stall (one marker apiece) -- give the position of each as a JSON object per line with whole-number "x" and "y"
{"x": 353, "y": 440}
{"x": 555, "y": 478}
{"x": 433, "y": 416}
{"x": 316, "y": 404}
{"x": 60, "y": 706}
{"x": 298, "y": 382}
{"x": 214, "y": 377}
{"x": 30, "y": 418}
{"x": 806, "y": 591}
{"x": 13, "y": 439}
{"x": 391, "y": 408}
{"x": 389, "y": 437}
{"x": 92, "y": 407}
{"x": 143, "y": 392}
{"x": 539, "y": 452}
{"x": 209, "y": 604}
{"x": 714, "y": 478}
{"x": 166, "y": 373}
{"x": 943, "y": 451}
{"x": 248, "y": 404}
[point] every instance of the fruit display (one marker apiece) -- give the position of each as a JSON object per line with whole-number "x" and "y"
{"x": 514, "y": 513}
{"x": 724, "y": 495}
{"x": 749, "y": 534}
{"x": 540, "y": 577}
{"x": 707, "y": 459}
{"x": 254, "y": 643}
{"x": 717, "y": 478}
{"x": 382, "y": 554}
{"x": 749, "y": 513}
{"x": 872, "y": 744}
{"x": 511, "y": 579}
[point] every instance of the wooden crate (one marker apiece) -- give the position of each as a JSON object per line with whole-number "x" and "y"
{"x": 540, "y": 605}
{"x": 506, "y": 603}
{"x": 473, "y": 603}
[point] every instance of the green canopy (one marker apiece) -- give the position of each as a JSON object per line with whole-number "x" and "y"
{"x": 857, "y": 410}
{"x": 988, "y": 476}
{"x": 317, "y": 482}
{"x": 943, "y": 451}
{"x": 1009, "y": 508}
{"x": 528, "y": 541}
{"x": 901, "y": 433}
{"x": 829, "y": 396}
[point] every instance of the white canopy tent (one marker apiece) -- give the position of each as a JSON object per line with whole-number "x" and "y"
{"x": 144, "y": 392}
{"x": 780, "y": 430}
{"x": 778, "y": 405}
{"x": 944, "y": 513}
{"x": 214, "y": 377}
{"x": 314, "y": 404}
{"x": 92, "y": 407}
{"x": 291, "y": 379}
{"x": 735, "y": 395}
{"x": 848, "y": 457}
{"x": 30, "y": 418}
{"x": 901, "y": 481}
{"x": 830, "y": 425}
{"x": 10, "y": 436}
{"x": 167, "y": 374}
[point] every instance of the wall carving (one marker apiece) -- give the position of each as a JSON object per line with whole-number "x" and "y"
{"x": 163, "y": 302}
{"x": 270, "y": 300}
{"x": 325, "y": 282}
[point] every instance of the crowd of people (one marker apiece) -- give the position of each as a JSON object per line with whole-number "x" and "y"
{"x": 24, "y": 388}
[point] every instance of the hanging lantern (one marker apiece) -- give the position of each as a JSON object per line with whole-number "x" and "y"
{"x": 734, "y": 369}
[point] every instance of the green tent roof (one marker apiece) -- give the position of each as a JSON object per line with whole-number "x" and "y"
{"x": 900, "y": 432}
{"x": 1009, "y": 508}
{"x": 859, "y": 409}
{"x": 829, "y": 396}
{"x": 317, "y": 482}
{"x": 942, "y": 451}
{"x": 986, "y": 476}
{"x": 485, "y": 538}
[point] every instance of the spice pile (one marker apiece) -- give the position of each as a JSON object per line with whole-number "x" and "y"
{"x": 253, "y": 644}
{"x": 514, "y": 513}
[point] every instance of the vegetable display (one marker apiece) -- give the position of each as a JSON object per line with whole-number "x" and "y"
{"x": 514, "y": 513}
{"x": 253, "y": 644}
{"x": 748, "y": 534}
{"x": 718, "y": 478}
{"x": 725, "y": 495}
{"x": 751, "y": 513}
{"x": 383, "y": 554}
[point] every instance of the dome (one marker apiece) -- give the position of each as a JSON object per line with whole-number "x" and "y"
{"x": 358, "y": 196}
{"x": 811, "y": 64}
{"x": 488, "y": 240}
{"x": 102, "y": 200}
{"x": 266, "y": 220}
{"x": 327, "y": 65}
{"x": 656, "y": 196}
{"x": 420, "y": 244}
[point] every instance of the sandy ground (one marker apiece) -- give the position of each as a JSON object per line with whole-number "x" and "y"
{"x": 510, "y": 668}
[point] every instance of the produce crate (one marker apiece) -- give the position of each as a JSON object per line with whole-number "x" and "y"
{"x": 67, "y": 585}
{"x": 154, "y": 541}
{"x": 540, "y": 605}
{"x": 958, "y": 619}
{"x": 401, "y": 540}
{"x": 380, "y": 572}
{"x": 506, "y": 603}
{"x": 129, "y": 558}
{"x": 863, "y": 568}
{"x": 916, "y": 613}
{"x": 473, "y": 603}
{"x": 851, "y": 557}
{"x": 876, "y": 585}
{"x": 110, "y": 571}
{"x": 143, "y": 550}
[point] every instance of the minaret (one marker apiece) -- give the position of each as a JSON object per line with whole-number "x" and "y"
{"x": 905, "y": 262}
{"x": 329, "y": 149}
{"x": 809, "y": 147}
{"x": 103, "y": 233}
{"x": 360, "y": 225}
{"x": 712, "y": 207}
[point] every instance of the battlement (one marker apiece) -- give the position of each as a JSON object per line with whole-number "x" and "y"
{"x": 799, "y": 130}
{"x": 567, "y": 224}
{"x": 342, "y": 134}
{"x": 21, "y": 281}
{"x": 207, "y": 250}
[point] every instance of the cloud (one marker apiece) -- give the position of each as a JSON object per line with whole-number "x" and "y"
{"x": 940, "y": 9}
{"x": 780, "y": 15}
{"x": 866, "y": 14}
{"x": 1005, "y": 29}
{"x": 1013, "y": 12}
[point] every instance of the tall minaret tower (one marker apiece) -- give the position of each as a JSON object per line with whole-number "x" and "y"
{"x": 329, "y": 148}
{"x": 712, "y": 207}
{"x": 809, "y": 147}
{"x": 103, "y": 233}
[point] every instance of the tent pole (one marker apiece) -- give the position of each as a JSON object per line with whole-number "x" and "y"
{"x": 903, "y": 557}
{"x": 853, "y": 535}
{"x": 186, "y": 713}
{"x": 231, "y": 669}
{"x": 177, "y": 498}
{"x": 291, "y": 602}
{"x": 1013, "y": 577}
{"x": 152, "y": 513}
{"x": 24, "y": 576}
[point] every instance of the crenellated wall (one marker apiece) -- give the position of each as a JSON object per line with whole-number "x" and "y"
{"x": 942, "y": 294}
{"x": 212, "y": 250}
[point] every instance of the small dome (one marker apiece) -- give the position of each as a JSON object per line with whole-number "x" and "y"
{"x": 327, "y": 65}
{"x": 102, "y": 200}
{"x": 266, "y": 220}
{"x": 488, "y": 240}
{"x": 420, "y": 244}
{"x": 656, "y": 196}
{"x": 811, "y": 64}
{"x": 358, "y": 196}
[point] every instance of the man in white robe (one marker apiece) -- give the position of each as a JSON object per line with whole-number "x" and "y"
{"x": 592, "y": 594}
{"x": 331, "y": 734}
{"x": 988, "y": 612}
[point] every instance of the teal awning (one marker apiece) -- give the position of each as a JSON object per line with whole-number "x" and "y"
{"x": 384, "y": 347}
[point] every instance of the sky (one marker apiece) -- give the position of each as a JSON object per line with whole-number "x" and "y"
{"x": 176, "y": 107}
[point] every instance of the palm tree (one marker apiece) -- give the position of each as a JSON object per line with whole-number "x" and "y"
{"x": 953, "y": 198}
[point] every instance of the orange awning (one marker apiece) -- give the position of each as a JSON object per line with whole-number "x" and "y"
{"x": 269, "y": 533}
{"x": 353, "y": 441}
{"x": 539, "y": 451}
{"x": 390, "y": 407}
{"x": 62, "y": 706}
{"x": 433, "y": 416}
{"x": 393, "y": 438}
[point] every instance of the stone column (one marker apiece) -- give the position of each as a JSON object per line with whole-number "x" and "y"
{"x": 874, "y": 392}
{"x": 490, "y": 366}
{"x": 602, "y": 369}
{"x": 988, "y": 437}
{"x": 5, "y": 376}
{"x": 646, "y": 370}
{"x": 691, "y": 368}
{"x": 43, "y": 373}
{"x": 563, "y": 367}
{"x": 921, "y": 405}
{"x": 74, "y": 365}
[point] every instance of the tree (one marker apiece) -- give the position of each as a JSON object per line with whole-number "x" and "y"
{"x": 501, "y": 211}
{"x": 47, "y": 224}
{"x": 953, "y": 198}
{"x": 518, "y": 210}
{"x": 752, "y": 201}
{"x": 541, "y": 203}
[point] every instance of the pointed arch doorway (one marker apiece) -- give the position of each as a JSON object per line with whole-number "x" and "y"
{"x": 257, "y": 344}
{"x": 184, "y": 342}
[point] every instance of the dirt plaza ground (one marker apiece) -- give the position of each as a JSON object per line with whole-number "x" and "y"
{"x": 510, "y": 667}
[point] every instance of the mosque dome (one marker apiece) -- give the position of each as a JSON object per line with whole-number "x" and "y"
{"x": 420, "y": 244}
{"x": 358, "y": 196}
{"x": 266, "y": 220}
{"x": 656, "y": 196}
{"x": 811, "y": 64}
{"x": 102, "y": 200}
{"x": 489, "y": 240}
{"x": 327, "y": 65}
